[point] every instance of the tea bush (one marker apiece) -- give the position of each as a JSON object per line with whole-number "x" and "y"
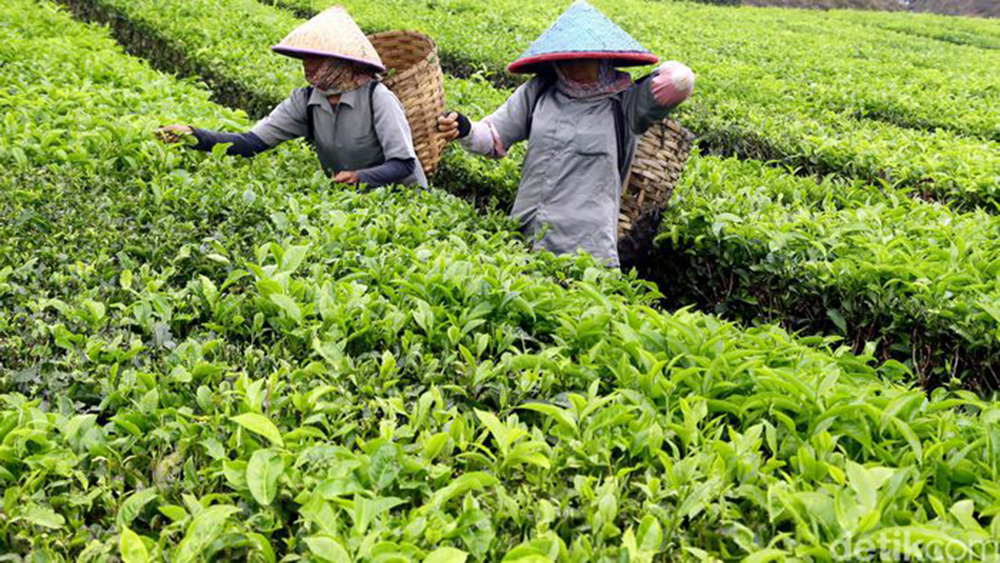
{"x": 923, "y": 312}
{"x": 336, "y": 375}
{"x": 774, "y": 84}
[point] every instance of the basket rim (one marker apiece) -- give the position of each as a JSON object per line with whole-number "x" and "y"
{"x": 415, "y": 67}
{"x": 411, "y": 32}
{"x": 422, "y": 75}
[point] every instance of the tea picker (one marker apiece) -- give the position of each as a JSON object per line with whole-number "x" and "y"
{"x": 582, "y": 119}
{"x": 357, "y": 125}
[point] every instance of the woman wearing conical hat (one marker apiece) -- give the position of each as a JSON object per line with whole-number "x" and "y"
{"x": 582, "y": 119}
{"x": 357, "y": 125}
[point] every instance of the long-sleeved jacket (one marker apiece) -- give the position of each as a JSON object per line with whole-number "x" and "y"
{"x": 570, "y": 192}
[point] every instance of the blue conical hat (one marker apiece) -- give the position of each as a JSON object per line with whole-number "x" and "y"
{"x": 582, "y": 32}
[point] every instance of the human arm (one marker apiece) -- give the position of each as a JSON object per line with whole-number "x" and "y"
{"x": 650, "y": 100}
{"x": 394, "y": 134}
{"x": 392, "y": 171}
{"x": 494, "y": 135}
{"x": 240, "y": 144}
{"x": 287, "y": 121}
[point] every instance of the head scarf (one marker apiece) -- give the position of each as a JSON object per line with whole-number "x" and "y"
{"x": 336, "y": 76}
{"x": 610, "y": 81}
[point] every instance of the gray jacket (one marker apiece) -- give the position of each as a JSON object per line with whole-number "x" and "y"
{"x": 361, "y": 132}
{"x": 570, "y": 192}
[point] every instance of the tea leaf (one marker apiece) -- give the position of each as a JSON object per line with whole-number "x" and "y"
{"x": 43, "y": 516}
{"x": 131, "y": 547}
{"x": 261, "y": 425}
{"x": 263, "y": 471}
{"x": 328, "y": 549}
{"x": 446, "y": 555}
{"x": 203, "y": 530}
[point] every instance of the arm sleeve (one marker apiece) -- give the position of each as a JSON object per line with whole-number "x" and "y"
{"x": 391, "y": 126}
{"x": 483, "y": 139}
{"x": 285, "y": 122}
{"x": 242, "y": 144}
{"x": 651, "y": 99}
{"x": 673, "y": 84}
{"x": 392, "y": 171}
{"x": 511, "y": 123}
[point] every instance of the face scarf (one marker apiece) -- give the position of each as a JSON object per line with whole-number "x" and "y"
{"x": 336, "y": 76}
{"x": 610, "y": 81}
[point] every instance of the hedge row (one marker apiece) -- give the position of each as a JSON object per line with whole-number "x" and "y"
{"x": 879, "y": 107}
{"x": 739, "y": 235}
{"x": 389, "y": 375}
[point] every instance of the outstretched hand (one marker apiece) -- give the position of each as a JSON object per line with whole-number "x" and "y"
{"x": 447, "y": 125}
{"x": 673, "y": 84}
{"x": 346, "y": 177}
{"x": 174, "y": 133}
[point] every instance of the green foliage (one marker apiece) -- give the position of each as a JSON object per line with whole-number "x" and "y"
{"x": 974, "y": 32}
{"x": 916, "y": 278}
{"x": 879, "y": 107}
{"x": 246, "y": 363}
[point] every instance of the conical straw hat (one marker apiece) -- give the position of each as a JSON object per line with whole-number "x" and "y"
{"x": 582, "y": 32}
{"x": 331, "y": 33}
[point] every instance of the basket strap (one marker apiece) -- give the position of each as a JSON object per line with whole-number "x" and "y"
{"x": 546, "y": 86}
{"x": 310, "y": 126}
{"x": 372, "y": 85}
{"x": 624, "y": 168}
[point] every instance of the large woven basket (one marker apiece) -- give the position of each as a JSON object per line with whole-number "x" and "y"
{"x": 414, "y": 75}
{"x": 659, "y": 160}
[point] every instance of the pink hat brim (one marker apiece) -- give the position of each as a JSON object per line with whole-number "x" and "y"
{"x": 620, "y": 58}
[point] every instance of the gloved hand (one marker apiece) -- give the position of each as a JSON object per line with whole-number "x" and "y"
{"x": 673, "y": 84}
{"x": 454, "y": 125}
{"x": 175, "y": 133}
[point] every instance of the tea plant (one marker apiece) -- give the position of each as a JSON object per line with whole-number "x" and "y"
{"x": 974, "y": 32}
{"x": 391, "y": 376}
{"x": 892, "y": 307}
{"x": 878, "y": 107}
{"x": 916, "y": 278}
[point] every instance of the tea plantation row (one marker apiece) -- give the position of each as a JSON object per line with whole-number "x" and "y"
{"x": 823, "y": 94}
{"x": 975, "y": 32}
{"x": 215, "y": 358}
{"x": 752, "y": 243}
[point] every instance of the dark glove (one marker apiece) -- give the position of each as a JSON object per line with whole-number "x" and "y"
{"x": 464, "y": 125}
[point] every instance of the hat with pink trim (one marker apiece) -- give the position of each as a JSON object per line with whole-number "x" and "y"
{"x": 582, "y": 32}
{"x": 331, "y": 33}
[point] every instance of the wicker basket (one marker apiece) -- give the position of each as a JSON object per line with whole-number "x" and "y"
{"x": 659, "y": 160}
{"x": 414, "y": 75}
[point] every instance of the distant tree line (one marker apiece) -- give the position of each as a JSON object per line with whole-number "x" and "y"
{"x": 980, "y": 8}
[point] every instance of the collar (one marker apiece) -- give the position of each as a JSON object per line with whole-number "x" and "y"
{"x": 350, "y": 99}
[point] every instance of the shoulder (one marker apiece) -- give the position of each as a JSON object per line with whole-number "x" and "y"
{"x": 384, "y": 101}
{"x": 530, "y": 91}
{"x": 301, "y": 95}
{"x": 640, "y": 88}
{"x": 537, "y": 84}
{"x": 298, "y": 100}
{"x": 383, "y": 96}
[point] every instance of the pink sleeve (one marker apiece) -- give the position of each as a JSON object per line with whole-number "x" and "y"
{"x": 484, "y": 139}
{"x": 673, "y": 84}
